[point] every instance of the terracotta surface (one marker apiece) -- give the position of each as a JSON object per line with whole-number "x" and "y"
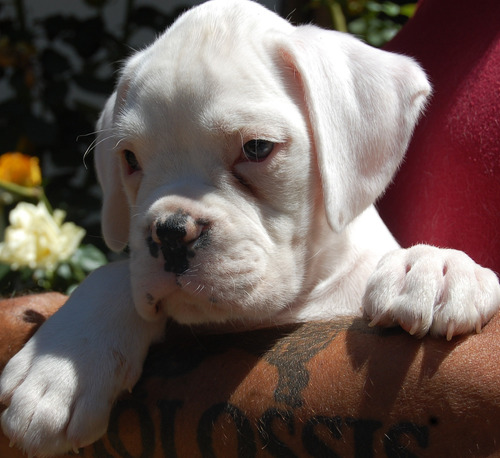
{"x": 319, "y": 389}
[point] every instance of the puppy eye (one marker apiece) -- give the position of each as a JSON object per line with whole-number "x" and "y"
{"x": 132, "y": 162}
{"x": 257, "y": 150}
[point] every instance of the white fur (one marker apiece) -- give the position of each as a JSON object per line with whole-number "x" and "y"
{"x": 292, "y": 238}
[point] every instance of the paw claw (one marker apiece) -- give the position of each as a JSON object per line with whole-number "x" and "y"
{"x": 450, "y": 332}
{"x": 415, "y": 327}
{"x": 375, "y": 320}
{"x": 445, "y": 288}
{"x": 479, "y": 326}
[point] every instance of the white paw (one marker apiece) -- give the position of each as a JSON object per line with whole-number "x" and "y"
{"x": 428, "y": 289}
{"x": 59, "y": 389}
{"x": 52, "y": 407}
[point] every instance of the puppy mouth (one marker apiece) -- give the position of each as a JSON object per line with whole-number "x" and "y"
{"x": 185, "y": 310}
{"x": 187, "y": 297}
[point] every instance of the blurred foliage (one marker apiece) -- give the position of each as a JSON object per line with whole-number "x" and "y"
{"x": 376, "y": 22}
{"x": 39, "y": 250}
{"x": 381, "y": 21}
{"x": 56, "y": 71}
{"x": 64, "y": 278}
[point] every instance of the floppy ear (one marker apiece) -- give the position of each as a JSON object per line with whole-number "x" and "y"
{"x": 363, "y": 104}
{"x": 115, "y": 216}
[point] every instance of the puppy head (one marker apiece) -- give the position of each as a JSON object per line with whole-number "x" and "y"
{"x": 212, "y": 150}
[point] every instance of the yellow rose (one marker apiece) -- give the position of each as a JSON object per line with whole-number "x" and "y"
{"x": 37, "y": 239}
{"x": 20, "y": 169}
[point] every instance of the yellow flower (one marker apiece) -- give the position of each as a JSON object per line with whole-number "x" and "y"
{"x": 37, "y": 239}
{"x": 20, "y": 169}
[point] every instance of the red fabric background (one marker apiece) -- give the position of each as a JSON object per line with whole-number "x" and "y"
{"x": 447, "y": 192}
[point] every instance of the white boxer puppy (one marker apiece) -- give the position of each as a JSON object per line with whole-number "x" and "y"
{"x": 239, "y": 157}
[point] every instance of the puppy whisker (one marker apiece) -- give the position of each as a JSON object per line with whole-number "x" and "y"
{"x": 94, "y": 145}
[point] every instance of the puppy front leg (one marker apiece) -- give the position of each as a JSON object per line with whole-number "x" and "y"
{"x": 61, "y": 386}
{"x": 428, "y": 289}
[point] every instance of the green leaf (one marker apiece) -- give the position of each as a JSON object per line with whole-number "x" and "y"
{"x": 4, "y": 271}
{"x": 374, "y": 6}
{"x": 408, "y": 10}
{"x": 64, "y": 271}
{"x": 391, "y": 9}
{"x": 88, "y": 258}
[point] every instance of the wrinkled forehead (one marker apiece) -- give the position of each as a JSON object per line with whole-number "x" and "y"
{"x": 222, "y": 49}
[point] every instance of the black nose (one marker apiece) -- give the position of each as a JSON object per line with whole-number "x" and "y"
{"x": 177, "y": 229}
{"x": 175, "y": 236}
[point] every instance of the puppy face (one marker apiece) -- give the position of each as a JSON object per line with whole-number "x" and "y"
{"x": 216, "y": 170}
{"x": 214, "y": 158}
